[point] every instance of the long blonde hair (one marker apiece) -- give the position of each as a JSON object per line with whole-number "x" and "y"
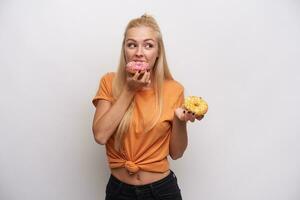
{"x": 160, "y": 71}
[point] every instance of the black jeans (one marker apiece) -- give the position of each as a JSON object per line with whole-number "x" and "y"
{"x": 166, "y": 188}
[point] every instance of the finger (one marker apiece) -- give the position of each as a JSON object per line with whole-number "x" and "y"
{"x": 149, "y": 82}
{"x": 190, "y": 116}
{"x": 193, "y": 116}
{"x": 144, "y": 78}
{"x": 148, "y": 75}
{"x": 199, "y": 117}
{"x": 136, "y": 75}
{"x": 186, "y": 116}
{"x": 192, "y": 119}
{"x": 179, "y": 113}
{"x": 183, "y": 114}
{"x": 130, "y": 74}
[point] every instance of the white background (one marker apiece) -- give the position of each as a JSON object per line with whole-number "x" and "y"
{"x": 242, "y": 57}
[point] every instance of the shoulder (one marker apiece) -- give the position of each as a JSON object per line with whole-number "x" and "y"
{"x": 173, "y": 86}
{"x": 107, "y": 78}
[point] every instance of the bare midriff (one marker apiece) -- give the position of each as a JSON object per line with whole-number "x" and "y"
{"x": 139, "y": 178}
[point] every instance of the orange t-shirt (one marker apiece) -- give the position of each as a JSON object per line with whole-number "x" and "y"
{"x": 145, "y": 151}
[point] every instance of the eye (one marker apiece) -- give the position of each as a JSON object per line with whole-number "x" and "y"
{"x": 148, "y": 45}
{"x": 131, "y": 45}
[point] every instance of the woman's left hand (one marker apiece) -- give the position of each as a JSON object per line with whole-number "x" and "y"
{"x": 184, "y": 115}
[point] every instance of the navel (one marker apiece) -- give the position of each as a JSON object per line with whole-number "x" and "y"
{"x": 138, "y": 177}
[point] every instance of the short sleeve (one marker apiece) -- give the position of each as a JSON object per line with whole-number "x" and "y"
{"x": 105, "y": 89}
{"x": 180, "y": 98}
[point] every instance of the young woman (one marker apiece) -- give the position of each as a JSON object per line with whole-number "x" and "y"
{"x": 139, "y": 118}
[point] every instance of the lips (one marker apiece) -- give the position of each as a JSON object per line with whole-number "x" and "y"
{"x": 134, "y": 66}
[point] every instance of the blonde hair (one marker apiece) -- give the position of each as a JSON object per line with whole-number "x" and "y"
{"x": 160, "y": 71}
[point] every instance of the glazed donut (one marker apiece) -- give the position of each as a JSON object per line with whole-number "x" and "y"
{"x": 133, "y": 66}
{"x": 195, "y": 105}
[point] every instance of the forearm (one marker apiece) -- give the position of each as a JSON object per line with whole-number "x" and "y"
{"x": 178, "y": 139}
{"x": 106, "y": 125}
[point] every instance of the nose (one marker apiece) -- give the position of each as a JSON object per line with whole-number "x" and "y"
{"x": 139, "y": 52}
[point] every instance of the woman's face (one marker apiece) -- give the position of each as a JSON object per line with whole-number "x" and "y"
{"x": 141, "y": 45}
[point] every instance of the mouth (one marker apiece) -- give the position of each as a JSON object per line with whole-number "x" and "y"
{"x": 139, "y": 60}
{"x": 137, "y": 65}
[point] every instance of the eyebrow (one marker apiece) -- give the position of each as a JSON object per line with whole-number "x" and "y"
{"x": 144, "y": 40}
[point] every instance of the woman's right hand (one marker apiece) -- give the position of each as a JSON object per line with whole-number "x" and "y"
{"x": 138, "y": 81}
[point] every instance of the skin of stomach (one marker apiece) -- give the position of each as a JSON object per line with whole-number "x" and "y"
{"x": 139, "y": 178}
